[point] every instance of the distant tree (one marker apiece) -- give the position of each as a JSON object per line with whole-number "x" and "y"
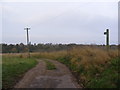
{"x": 25, "y": 49}
{"x": 0, "y": 48}
{"x": 14, "y": 50}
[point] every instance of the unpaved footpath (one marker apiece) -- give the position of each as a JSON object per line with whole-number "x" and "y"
{"x": 39, "y": 77}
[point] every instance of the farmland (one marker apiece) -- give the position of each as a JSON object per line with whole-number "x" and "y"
{"x": 93, "y": 67}
{"x": 13, "y": 68}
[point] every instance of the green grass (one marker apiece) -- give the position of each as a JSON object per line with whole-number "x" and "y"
{"x": 108, "y": 78}
{"x": 50, "y": 65}
{"x": 13, "y": 68}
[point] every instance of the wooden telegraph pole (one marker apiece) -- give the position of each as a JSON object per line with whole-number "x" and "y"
{"x": 28, "y": 41}
{"x": 107, "y": 38}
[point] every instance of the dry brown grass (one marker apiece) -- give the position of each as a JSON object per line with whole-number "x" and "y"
{"x": 50, "y": 55}
{"x": 86, "y": 56}
{"x": 21, "y": 55}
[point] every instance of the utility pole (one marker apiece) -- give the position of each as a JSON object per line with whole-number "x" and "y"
{"x": 28, "y": 41}
{"x": 107, "y": 37}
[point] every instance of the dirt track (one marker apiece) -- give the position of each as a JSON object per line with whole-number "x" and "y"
{"x": 39, "y": 77}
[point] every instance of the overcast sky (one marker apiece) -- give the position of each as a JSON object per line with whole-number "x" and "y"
{"x": 59, "y": 22}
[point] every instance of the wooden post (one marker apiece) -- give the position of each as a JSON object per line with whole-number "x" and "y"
{"x": 28, "y": 41}
{"x": 107, "y": 38}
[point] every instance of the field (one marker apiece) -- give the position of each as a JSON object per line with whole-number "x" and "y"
{"x": 93, "y": 67}
{"x": 13, "y": 68}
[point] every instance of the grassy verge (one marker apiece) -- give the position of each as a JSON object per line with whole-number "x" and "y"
{"x": 50, "y": 65}
{"x": 106, "y": 76}
{"x": 13, "y": 69}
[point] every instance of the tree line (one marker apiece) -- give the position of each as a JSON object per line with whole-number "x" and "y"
{"x": 22, "y": 48}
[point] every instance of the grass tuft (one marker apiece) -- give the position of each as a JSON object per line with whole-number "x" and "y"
{"x": 50, "y": 65}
